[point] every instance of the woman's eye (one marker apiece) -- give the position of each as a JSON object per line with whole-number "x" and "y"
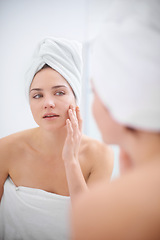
{"x": 59, "y": 93}
{"x": 37, "y": 96}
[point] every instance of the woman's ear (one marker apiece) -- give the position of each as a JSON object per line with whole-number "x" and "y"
{"x": 125, "y": 161}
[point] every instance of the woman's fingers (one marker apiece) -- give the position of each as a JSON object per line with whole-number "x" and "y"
{"x": 75, "y": 126}
{"x": 79, "y": 118}
{"x": 73, "y": 138}
{"x": 69, "y": 129}
{"x": 68, "y": 151}
{"x": 73, "y": 119}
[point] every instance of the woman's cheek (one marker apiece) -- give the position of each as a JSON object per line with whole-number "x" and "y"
{"x": 66, "y": 108}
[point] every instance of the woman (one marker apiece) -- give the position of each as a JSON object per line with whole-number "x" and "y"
{"x": 127, "y": 95}
{"x": 41, "y": 168}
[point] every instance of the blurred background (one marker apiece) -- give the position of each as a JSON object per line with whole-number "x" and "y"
{"x": 22, "y": 24}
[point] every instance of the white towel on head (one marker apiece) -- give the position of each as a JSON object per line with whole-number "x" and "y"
{"x": 64, "y": 56}
{"x": 126, "y": 63}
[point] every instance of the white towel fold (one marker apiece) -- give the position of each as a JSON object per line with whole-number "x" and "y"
{"x": 126, "y": 63}
{"x": 64, "y": 56}
{"x": 28, "y": 213}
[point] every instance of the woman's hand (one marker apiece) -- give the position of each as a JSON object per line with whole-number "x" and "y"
{"x": 75, "y": 178}
{"x": 74, "y": 134}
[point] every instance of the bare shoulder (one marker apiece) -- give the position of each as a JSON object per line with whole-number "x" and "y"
{"x": 14, "y": 145}
{"x": 100, "y": 157}
{"x": 11, "y": 143}
{"x": 11, "y": 147}
{"x": 96, "y": 148}
{"x": 129, "y": 204}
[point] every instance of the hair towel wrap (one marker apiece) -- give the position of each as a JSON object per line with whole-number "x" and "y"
{"x": 64, "y": 56}
{"x": 126, "y": 63}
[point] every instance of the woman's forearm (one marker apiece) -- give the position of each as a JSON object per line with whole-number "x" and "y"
{"x": 75, "y": 178}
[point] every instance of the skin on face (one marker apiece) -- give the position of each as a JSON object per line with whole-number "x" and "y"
{"x": 111, "y": 131}
{"x": 50, "y": 94}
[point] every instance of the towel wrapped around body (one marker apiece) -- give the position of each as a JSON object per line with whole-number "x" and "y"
{"x": 28, "y": 213}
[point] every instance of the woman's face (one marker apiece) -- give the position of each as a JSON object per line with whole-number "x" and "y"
{"x": 111, "y": 131}
{"x": 50, "y": 98}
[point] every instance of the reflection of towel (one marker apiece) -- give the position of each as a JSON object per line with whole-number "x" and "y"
{"x": 28, "y": 213}
{"x": 64, "y": 56}
{"x": 126, "y": 63}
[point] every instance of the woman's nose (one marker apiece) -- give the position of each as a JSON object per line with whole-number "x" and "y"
{"x": 49, "y": 103}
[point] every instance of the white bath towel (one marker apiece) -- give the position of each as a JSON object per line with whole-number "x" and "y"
{"x": 126, "y": 63}
{"x": 28, "y": 213}
{"x": 64, "y": 56}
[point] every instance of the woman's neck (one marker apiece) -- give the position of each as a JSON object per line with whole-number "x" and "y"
{"x": 142, "y": 147}
{"x": 49, "y": 143}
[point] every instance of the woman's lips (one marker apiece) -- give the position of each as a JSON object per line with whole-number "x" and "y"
{"x": 50, "y": 116}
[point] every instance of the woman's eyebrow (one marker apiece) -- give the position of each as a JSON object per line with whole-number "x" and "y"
{"x": 58, "y": 86}
{"x": 40, "y": 89}
{"x": 36, "y": 89}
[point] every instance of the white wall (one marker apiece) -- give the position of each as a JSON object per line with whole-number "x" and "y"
{"x": 22, "y": 24}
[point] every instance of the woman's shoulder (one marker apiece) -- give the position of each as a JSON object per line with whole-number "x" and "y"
{"x": 15, "y": 141}
{"x": 96, "y": 148}
{"x": 128, "y": 204}
{"x": 100, "y": 158}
